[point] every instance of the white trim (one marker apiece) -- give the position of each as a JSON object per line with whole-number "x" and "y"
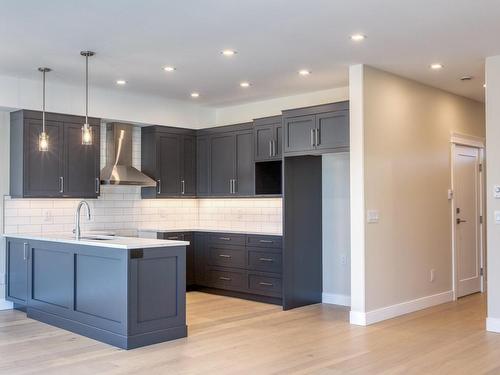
{"x": 336, "y": 299}
{"x": 384, "y": 313}
{"x": 467, "y": 140}
{"x": 6, "y": 305}
{"x": 493, "y": 325}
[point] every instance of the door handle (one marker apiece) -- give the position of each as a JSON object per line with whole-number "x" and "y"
{"x": 61, "y": 184}
{"x": 312, "y": 137}
{"x": 25, "y": 251}
{"x": 158, "y": 185}
{"x": 97, "y": 184}
{"x": 461, "y": 221}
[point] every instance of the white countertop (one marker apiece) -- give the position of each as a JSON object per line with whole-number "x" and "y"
{"x": 169, "y": 230}
{"x": 105, "y": 241}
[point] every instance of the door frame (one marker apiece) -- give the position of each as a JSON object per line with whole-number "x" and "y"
{"x": 457, "y": 139}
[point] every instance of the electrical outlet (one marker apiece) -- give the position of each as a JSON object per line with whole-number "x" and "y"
{"x": 343, "y": 259}
{"x": 432, "y": 276}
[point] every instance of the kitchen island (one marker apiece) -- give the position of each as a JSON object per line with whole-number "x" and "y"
{"x": 127, "y": 292}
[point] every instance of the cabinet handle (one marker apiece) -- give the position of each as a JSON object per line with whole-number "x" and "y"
{"x": 265, "y": 284}
{"x": 97, "y": 185}
{"x": 230, "y": 186}
{"x": 266, "y": 260}
{"x": 234, "y": 186}
{"x": 25, "y": 251}
{"x": 61, "y": 184}
{"x": 183, "y": 189}
{"x": 173, "y": 238}
{"x": 318, "y": 137}
{"x": 266, "y": 241}
{"x": 224, "y": 278}
{"x": 225, "y": 256}
{"x": 312, "y": 137}
{"x": 270, "y": 148}
{"x": 158, "y": 186}
{"x": 274, "y": 148}
{"x": 225, "y": 238}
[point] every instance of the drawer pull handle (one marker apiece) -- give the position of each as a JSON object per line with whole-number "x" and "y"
{"x": 225, "y": 238}
{"x": 225, "y": 256}
{"x": 173, "y": 238}
{"x": 265, "y": 284}
{"x": 266, "y": 241}
{"x": 224, "y": 278}
{"x": 266, "y": 260}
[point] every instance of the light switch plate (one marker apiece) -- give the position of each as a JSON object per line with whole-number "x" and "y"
{"x": 372, "y": 216}
{"x": 496, "y": 191}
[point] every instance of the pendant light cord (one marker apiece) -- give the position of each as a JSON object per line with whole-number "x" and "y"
{"x": 86, "y": 89}
{"x": 43, "y": 103}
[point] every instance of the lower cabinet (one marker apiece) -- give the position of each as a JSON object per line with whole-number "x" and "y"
{"x": 17, "y": 271}
{"x": 190, "y": 256}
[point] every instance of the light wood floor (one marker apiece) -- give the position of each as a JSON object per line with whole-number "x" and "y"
{"x": 231, "y": 336}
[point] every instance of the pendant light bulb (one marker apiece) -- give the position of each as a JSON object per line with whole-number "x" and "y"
{"x": 86, "y": 129}
{"x": 43, "y": 138}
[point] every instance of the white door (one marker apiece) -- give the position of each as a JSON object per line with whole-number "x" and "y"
{"x": 466, "y": 181}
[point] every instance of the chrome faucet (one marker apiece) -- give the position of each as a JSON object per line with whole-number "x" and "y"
{"x": 77, "y": 230}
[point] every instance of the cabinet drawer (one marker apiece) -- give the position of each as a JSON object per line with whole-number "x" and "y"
{"x": 226, "y": 256}
{"x": 264, "y": 261}
{"x": 264, "y": 241}
{"x": 227, "y": 279}
{"x": 226, "y": 239}
{"x": 265, "y": 285}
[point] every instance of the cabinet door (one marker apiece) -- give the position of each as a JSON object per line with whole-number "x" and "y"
{"x": 202, "y": 162}
{"x": 43, "y": 170}
{"x": 169, "y": 165}
{"x": 188, "y": 179}
{"x": 81, "y": 162}
{"x": 278, "y": 142}
{"x": 264, "y": 136}
{"x": 222, "y": 163}
{"x": 299, "y": 133}
{"x": 200, "y": 261}
{"x": 245, "y": 180}
{"x": 17, "y": 271}
{"x": 333, "y": 130}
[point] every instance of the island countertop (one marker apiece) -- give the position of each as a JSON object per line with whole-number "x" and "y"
{"x": 101, "y": 241}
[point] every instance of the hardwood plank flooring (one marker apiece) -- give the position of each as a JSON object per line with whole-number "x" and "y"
{"x": 232, "y": 336}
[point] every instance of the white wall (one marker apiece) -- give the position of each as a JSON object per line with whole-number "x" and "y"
{"x": 405, "y": 146}
{"x": 119, "y": 104}
{"x": 492, "y": 179}
{"x": 4, "y": 190}
{"x": 248, "y": 112}
{"x": 336, "y": 229}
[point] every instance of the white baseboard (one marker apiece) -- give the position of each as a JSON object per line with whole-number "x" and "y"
{"x": 384, "y": 313}
{"x": 493, "y": 325}
{"x": 336, "y": 299}
{"x": 5, "y": 305}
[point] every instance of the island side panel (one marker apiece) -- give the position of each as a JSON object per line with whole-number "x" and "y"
{"x": 157, "y": 295}
{"x": 79, "y": 288}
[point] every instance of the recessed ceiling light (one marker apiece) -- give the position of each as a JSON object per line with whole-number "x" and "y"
{"x": 436, "y": 66}
{"x": 229, "y": 52}
{"x": 195, "y": 94}
{"x": 168, "y": 68}
{"x": 304, "y": 72}
{"x": 358, "y": 37}
{"x": 245, "y": 84}
{"x": 121, "y": 82}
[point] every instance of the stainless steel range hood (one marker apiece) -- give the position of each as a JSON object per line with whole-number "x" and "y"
{"x": 119, "y": 169}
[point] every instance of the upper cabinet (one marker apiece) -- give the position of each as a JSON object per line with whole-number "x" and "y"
{"x": 230, "y": 160}
{"x": 169, "y": 157}
{"x": 67, "y": 170}
{"x": 268, "y": 138}
{"x": 316, "y": 130}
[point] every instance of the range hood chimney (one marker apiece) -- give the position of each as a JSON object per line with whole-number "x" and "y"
{"x": 119, "y": 169}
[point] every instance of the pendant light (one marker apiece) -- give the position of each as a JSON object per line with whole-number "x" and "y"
{"x": 43, "y": 138}
{"x": 86, "y": 129}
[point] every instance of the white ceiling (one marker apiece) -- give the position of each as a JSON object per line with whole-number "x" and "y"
{"x": 133, "y": 39}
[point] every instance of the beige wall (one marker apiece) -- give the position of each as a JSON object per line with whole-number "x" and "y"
{"x": 493, "y": 178}
{"x": 407, "y": 129}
